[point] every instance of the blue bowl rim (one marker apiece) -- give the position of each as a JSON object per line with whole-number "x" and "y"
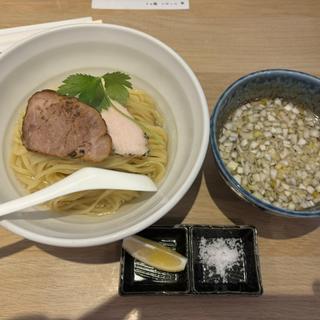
{"x": 235, "y": 186}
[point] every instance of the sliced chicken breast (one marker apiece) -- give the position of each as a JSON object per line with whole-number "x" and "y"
{"x": 127, "y": 136}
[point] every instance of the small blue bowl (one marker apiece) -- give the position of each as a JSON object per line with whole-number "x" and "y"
{"x": 297, "y": 87}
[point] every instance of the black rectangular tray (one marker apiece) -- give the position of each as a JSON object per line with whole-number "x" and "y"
{"x": 140, "y": 279}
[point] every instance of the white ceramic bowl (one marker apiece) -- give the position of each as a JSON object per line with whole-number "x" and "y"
{"x": 45, "y": 60}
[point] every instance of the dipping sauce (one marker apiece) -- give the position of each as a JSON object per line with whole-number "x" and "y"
{"x": 272, "y": 148}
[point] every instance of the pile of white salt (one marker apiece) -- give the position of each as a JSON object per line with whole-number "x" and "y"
{"x": 220, "y": 255}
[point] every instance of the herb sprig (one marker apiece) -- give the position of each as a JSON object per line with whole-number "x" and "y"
{"x": 97, "y": 92}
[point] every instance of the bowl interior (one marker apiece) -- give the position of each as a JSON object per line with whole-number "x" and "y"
{"x": 300, "y": 88}
{"x": 44, "y": 61}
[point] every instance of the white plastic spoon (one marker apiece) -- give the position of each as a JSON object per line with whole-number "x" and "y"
{"x": 83, "y": 179}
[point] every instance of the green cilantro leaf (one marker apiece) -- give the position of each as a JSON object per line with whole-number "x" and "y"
{"x": 116, "y": 84}
{"x": 97, "y": 91}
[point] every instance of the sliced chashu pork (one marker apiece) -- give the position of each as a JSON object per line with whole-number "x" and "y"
{"x": 64, "y": 127}
{"x": 127, "y": 136}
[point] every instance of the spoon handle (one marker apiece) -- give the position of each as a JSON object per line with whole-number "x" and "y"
{"x": 83, "y": 179}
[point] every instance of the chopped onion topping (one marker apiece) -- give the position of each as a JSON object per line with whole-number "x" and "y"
{"x": 272, "y": 147}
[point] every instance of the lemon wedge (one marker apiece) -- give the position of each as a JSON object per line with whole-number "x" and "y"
{"x": 154, "y": 254}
